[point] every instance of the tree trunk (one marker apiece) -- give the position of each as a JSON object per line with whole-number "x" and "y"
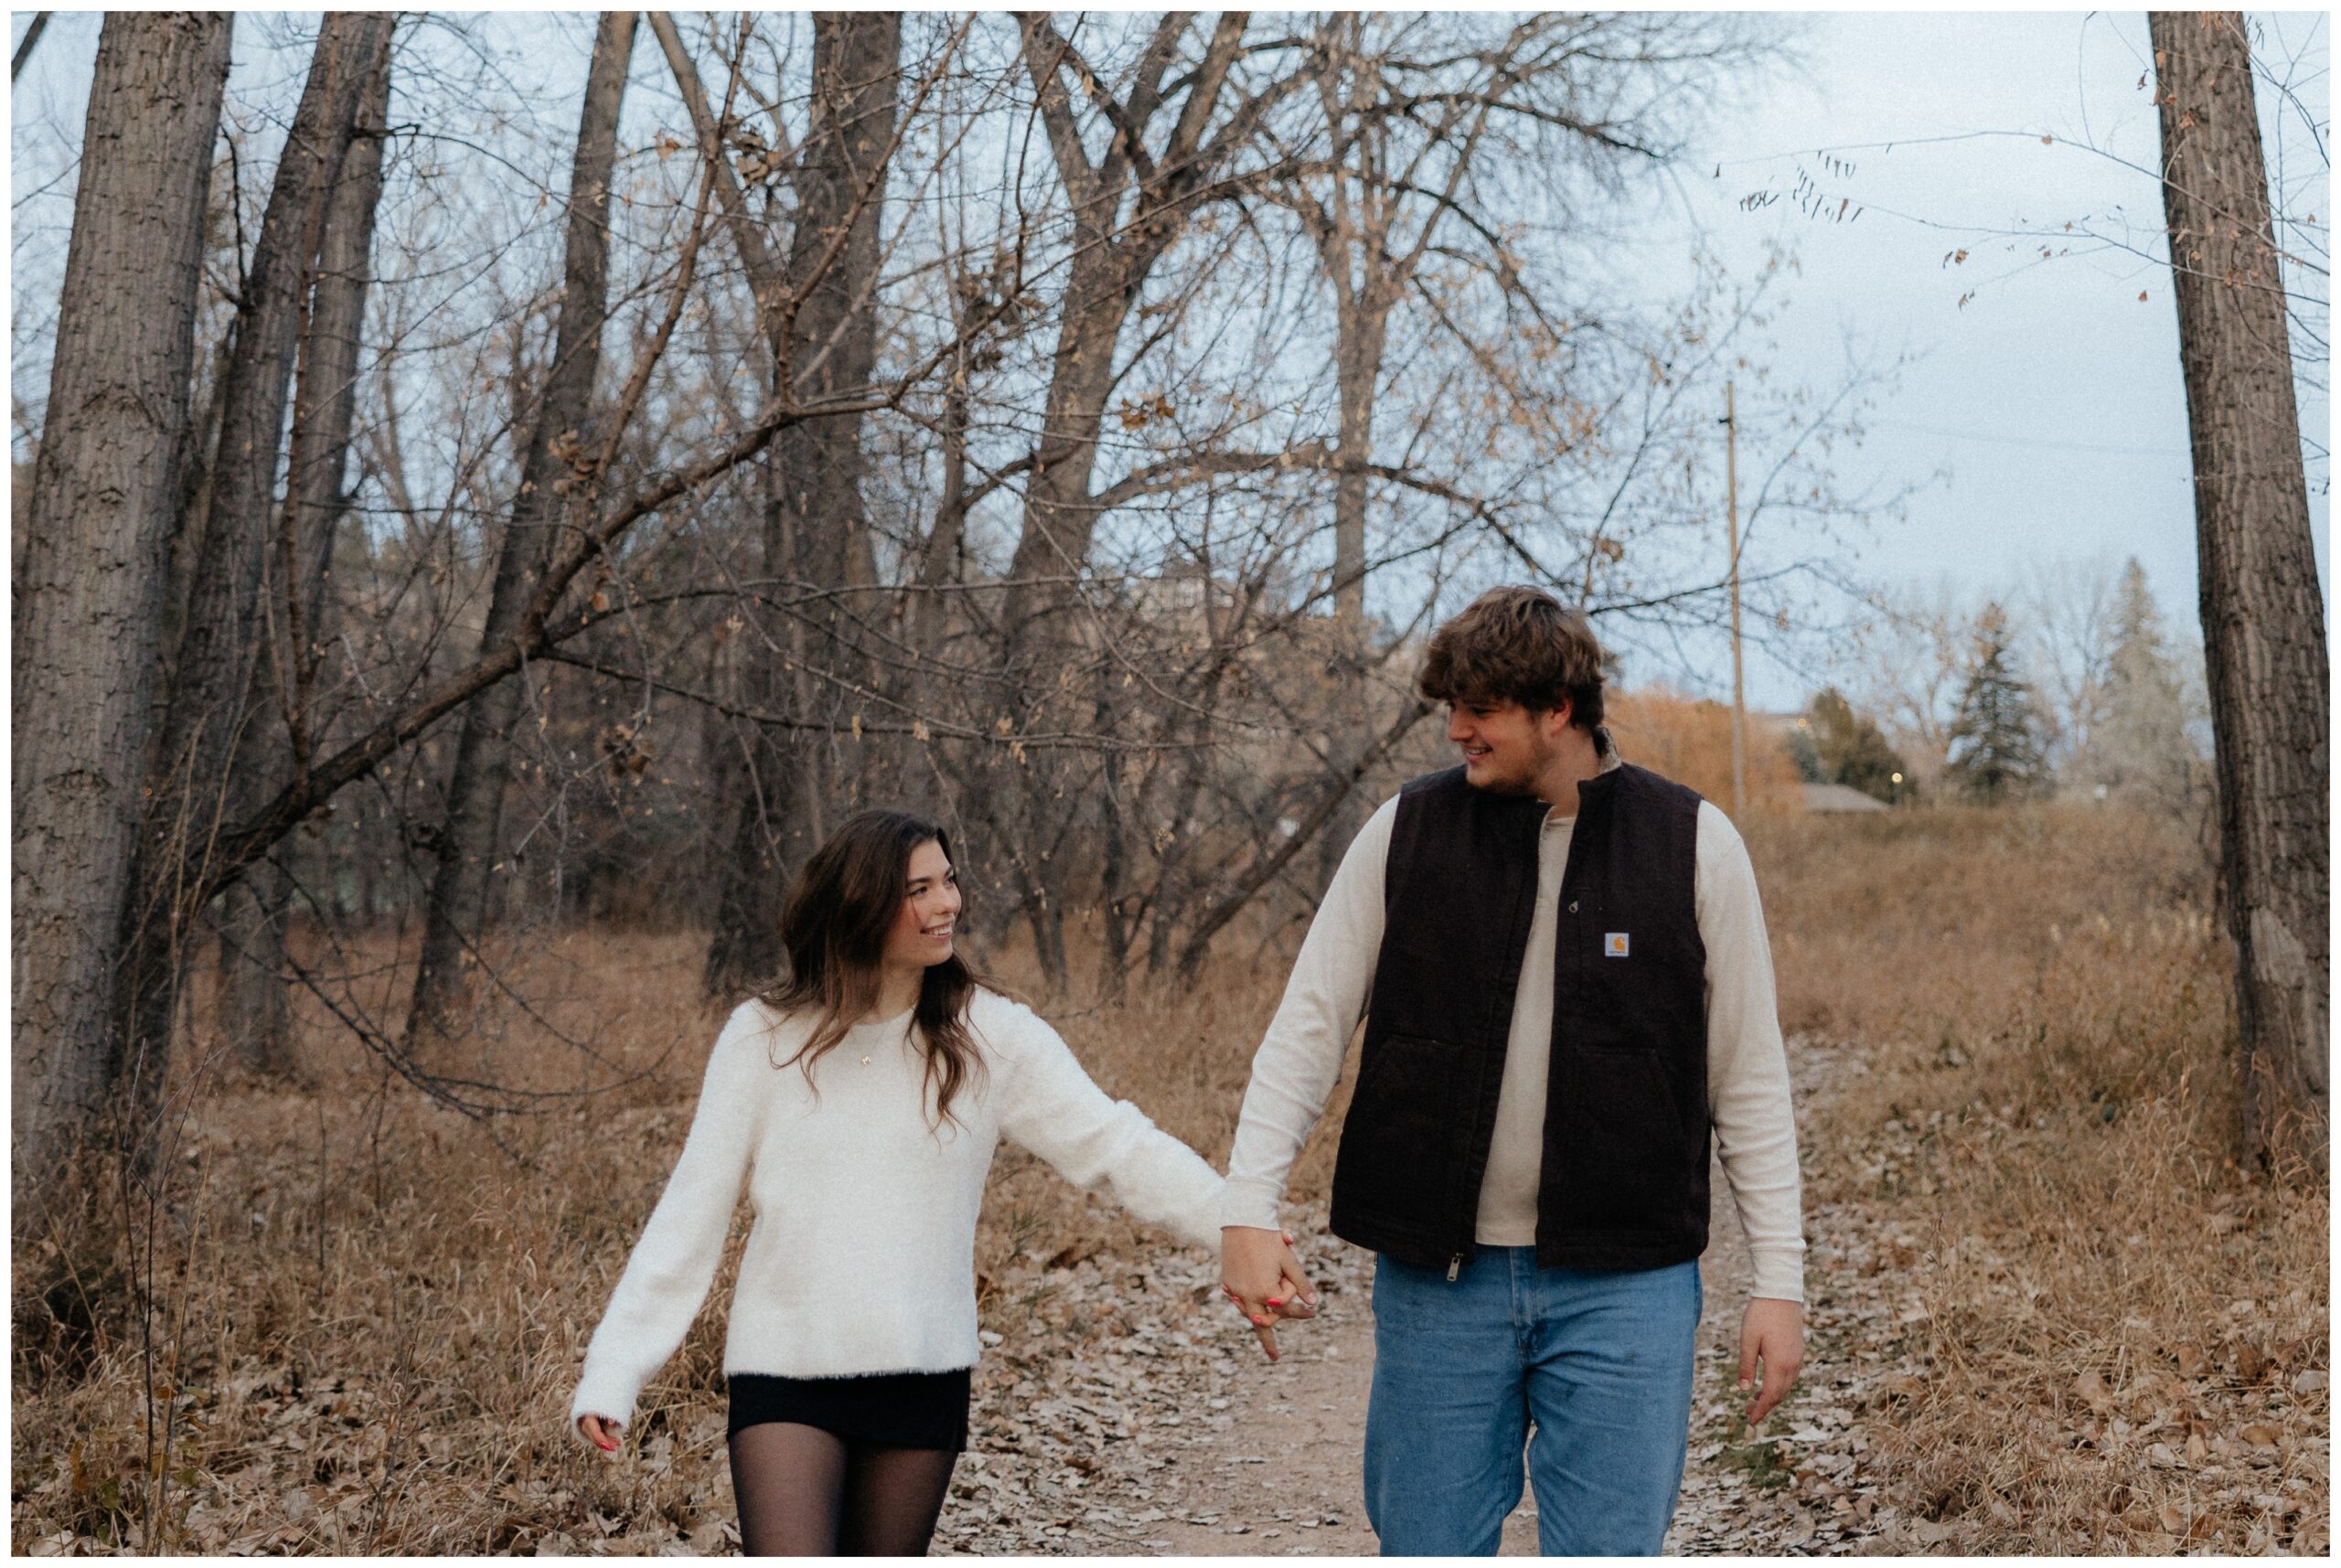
{"x": 1363, "y": 326}
{"x": 455, "y": 912}
{"x": 1111, "y": 261}
{"x": 255, "y": 1007}
{"x": 929, "y": 613}
{"x": 1041, "y": 644}
{"x": 772, "y": 812}
{"x": 817, "y": 535}
{"x": 198, "y": 446}
{"x": 2263, "y": 637}
{"x": 105, "y": 488}
{"x": 206, "y": 728}
{"x": 1354, "y": 230}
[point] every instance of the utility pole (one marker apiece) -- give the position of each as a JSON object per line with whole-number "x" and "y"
{"x": 1738, "y": 689}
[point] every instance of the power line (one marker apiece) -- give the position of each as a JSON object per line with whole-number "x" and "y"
{"x": 2032, "y": 441}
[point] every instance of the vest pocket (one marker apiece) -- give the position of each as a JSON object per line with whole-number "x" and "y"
{"x": 1409, "y": 1121}
{"x": 1622, "y": 1140}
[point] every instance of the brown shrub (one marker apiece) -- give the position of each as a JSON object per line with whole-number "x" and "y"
{"x": 1688, "y": 740}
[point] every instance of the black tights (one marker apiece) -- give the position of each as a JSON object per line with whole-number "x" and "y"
{"x": 804, "y": 1492}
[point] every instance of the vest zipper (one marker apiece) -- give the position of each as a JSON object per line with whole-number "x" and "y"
{"x": 1454, "y": 1267}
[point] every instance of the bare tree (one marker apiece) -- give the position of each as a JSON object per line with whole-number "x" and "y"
{"x": 1413, "y": 191}
{"x": 456, "y": 914}
{"x": 815, "y": 531}
{"x": 254, "y": 1003}
{"x": 2066, "y": 616}
{"x": 2264, "y": 632}
{"x": 104, "y": 491}
{"x": 581, "y": 585}
{"x": 1127, "y": 205}
{"x": 207, "y": 719}
{"x": 989, "y": 466}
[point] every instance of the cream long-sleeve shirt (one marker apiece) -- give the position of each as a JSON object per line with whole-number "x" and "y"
{"x": 1300, "y": 1058}
{"x": 862, "y": 1256}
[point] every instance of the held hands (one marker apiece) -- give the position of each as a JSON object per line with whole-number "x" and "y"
{"x": 1771, "y": 1332}
{"x": 601, "y": 1431}
{"x": 1259, "y": 1272}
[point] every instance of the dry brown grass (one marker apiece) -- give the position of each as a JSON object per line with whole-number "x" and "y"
{"x": 2109, "y": 1316}
{"x": 368, "y": 1315}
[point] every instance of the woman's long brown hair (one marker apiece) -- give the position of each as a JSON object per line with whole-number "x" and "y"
{"x": 834, "y": 924}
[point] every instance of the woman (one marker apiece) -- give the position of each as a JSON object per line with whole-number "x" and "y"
{"x": 861, "y": 1101}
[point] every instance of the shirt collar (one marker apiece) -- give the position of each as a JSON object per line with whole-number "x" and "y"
{"x": 1610, "y": 762}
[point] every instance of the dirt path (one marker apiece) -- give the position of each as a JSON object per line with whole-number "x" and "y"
{"x": 1294, "y": 1488}
{"x": 1214, "y": 1456}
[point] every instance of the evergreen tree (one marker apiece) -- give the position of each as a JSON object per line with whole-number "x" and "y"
{"x": 1995, "y": 752}
{"x": 1807, "y": 759}
{"x": 1851, "y": 750}
{"x": 2141, "y": 748}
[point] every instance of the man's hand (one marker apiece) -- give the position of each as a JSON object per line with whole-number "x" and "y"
{"x": 1261, "y": 1274}
{"x": 1771, "y": 1332}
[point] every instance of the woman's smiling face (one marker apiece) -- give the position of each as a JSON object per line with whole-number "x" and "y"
{"x": 921, "y": 932}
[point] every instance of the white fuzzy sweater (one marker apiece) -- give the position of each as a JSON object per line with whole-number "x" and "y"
{"x": 862, "y": 1256}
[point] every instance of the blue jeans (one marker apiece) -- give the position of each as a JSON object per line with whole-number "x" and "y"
{"x": 1601, "y": 1362}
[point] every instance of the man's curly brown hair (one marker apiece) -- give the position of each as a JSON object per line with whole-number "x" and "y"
{"x": 1518, "y": 645}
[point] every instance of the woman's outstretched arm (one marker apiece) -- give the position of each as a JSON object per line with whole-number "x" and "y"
{"x": 666, "y": 1279}
{"x": 1048, "y": 1104}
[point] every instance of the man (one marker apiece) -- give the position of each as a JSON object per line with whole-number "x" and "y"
{"x": 1571, "y": 991}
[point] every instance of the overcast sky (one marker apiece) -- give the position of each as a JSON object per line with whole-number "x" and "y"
{"x": 2043, "y": 419}
{"x": 2053, "y": 397}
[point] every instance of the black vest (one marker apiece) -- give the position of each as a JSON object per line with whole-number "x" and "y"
{"x": 1624, "y": 1184}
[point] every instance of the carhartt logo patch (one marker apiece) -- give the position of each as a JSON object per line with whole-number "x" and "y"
{"x": 1613, "y": 946}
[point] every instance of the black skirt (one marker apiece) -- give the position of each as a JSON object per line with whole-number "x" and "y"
{"x": 889, "y": 1409}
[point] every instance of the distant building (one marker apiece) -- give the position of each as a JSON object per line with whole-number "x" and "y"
{"x": 1839, "y": 797}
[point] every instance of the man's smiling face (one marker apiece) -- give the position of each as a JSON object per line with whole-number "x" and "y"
{"x": 1506, "y": 746}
